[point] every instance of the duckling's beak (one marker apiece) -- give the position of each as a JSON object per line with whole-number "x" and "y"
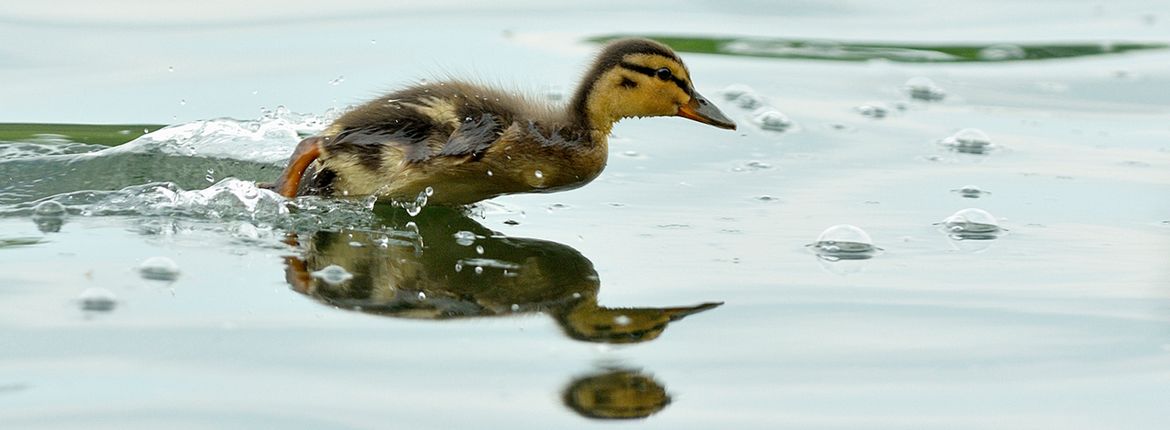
{"x": 702, "y": 110}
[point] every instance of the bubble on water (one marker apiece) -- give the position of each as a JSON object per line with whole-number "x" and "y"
{"x": 772, "y": 120}
{"x": 751, "y": 166}
{"x": 49, "y": 208}
{"x": 182, "y": 102}
{"x": 489, "y": 173}
{"x": 49, "y": 216}
{"x": 479, "y": 249}
{"x": 478, "y": 270}
{"x": 429, "y": 191}
{"x": 972, "y": 224}
{"x": 968, "y": 141}
{"x": 356, "y": 244}
{"x": 373, "y": 41}
{"x": 465, "y": 238}
{"x": 920, "y": 88}
{"x": 515, "y": 307}
{"x": 971, "y": 191}
{"x": 844, "y": 242}
{"x": 749, "y": 101}
{"x": 159, "y": 269}
{"x": 766, "y": 198}
{"x": 622, "y": 320}
{"x": 458, "y": 267}
{"x": 873, "y": 110}
{"x": 332, "y": 274}
{"x": 538, "y": 174}
{"x": 735, "y": 91}
{"x": 97, "y": 299}
{"x": 337, "y": 81}
{"x": 170, "y": 68}
{"x": 422, "y": 295}
{"x": 210, "y": 176}
{"x": 1002, "y": 52}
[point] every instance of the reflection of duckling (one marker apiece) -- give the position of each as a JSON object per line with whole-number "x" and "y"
{"x": 469, "y": 142}
{"x": 617, "y": 394}
{"x": 429, "y": 275}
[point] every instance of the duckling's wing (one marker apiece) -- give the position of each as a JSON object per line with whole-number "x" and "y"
{"x": 473, "y": 136}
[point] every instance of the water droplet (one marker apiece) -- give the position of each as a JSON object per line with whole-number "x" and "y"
{"x": 972, "y": 224}
{"x": 159, "y": 269}
{"x": 920, "y": 88}
{"x": 97, "y": 299}
{"x": 337, "y": 81}
{"x": 479, "y": 249}
{"x": 170, "y": 68}
{"x": 489, "y": 173}
{"x": 621, "y": 320}
{"x": 182, "y": 102}
{"x": 772, "y": 120}
{"x": 478, "y": 270}
{"x": 464, "y": 238}
{"x": 969, "y": 141}
{"x": 1002, "y": 52}
{"x": 515, "y": 307}
{"x": 576, "y": 295}
{"x": 422, "y": 295}
{"x": 539, "y": 174}
{"x": 332, "y": 274}
{"x": 373, "y": 41}
{"x": 844, "y": 242}
{"x": 971, "y": 192}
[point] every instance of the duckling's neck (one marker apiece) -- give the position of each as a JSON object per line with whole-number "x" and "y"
{"x": 590, "y": 113}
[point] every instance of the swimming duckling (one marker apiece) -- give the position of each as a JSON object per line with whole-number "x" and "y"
{"x": 462, "y": 143}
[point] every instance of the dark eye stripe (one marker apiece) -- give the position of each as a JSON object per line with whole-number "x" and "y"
{"x": 654, "y": 74}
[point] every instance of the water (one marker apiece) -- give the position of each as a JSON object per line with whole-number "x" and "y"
{"x": 607, "y": 308}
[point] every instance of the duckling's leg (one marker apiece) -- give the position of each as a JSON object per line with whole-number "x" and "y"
{"x": 290, "y": 179}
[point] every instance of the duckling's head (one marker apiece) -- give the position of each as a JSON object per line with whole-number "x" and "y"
{"x": 641, "y": 77}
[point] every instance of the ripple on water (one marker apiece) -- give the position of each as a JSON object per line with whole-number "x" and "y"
{"x": 267, "y": 139}
{"x": 844, "y": 242}
{"x": 44, "y": 145}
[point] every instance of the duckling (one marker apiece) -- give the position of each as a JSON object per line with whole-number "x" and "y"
{"x": 462, "y": 143}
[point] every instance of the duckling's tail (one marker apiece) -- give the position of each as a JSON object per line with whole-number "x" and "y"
{"x": 290, "y": 179}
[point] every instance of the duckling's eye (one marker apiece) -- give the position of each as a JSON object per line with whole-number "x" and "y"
{"x": 663, "y": 74}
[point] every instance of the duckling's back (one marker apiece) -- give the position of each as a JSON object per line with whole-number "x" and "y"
{"x": 469, "y": 142}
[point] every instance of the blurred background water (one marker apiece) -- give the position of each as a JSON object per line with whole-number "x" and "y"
{"x": 895, "y": 244}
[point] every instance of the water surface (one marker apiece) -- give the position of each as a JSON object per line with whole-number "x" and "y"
{"x": 678, "y": 290}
